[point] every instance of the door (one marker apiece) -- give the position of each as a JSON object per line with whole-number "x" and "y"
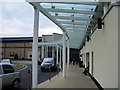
{"x": 8, "y": 75}
{"x": 87, "y": 60}
{"x": 92, "y": 60}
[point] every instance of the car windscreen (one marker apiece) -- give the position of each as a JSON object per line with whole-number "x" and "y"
{"x": 48, "y": 60}
{"x": 5, "y": 61}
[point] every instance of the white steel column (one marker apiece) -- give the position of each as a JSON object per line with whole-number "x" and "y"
{"x": 68, "y": 55}
{"x": 57, "y": 54}
{"x": 53, "y": 52}
{"x": 85, "y": 61}
{"x": 64, "y": 54}
{"x": 43, "y": 40}
{"x": 46, "y": 51}
{"x": 60, "y": 58}
{"x": 42, "y": 51}
{"x": 90, "y": 62}
{"x": 35, "y": 50}
{"x": 1, "y": 51}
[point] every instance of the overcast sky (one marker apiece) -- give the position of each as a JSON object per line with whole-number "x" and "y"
{"x": 16, "y": 20}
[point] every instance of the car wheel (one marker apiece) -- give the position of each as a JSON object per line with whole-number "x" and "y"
{"x": 16, "y": 83}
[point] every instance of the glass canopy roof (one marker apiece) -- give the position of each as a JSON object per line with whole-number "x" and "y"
{"x": 76, "y": 18}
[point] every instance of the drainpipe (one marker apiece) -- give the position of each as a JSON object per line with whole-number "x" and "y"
{"x": 35, "y": 49}
{"x": 64, "y": 53}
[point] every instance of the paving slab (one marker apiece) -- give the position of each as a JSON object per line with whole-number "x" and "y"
{"x": 74, "y": 79}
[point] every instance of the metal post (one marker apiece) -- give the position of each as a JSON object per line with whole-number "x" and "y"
{"x": 42, "y": 51}
{"x": 53, "y": 52}
{"x": 64, "y": 53}
{"x": 90, "y": 61}
{"x": 35, "y": 49}
{"x": 85, "y": 61}
{"x": 1, "y": 51}
{"x": 57, "y": 54}
{"x": 49, "y": 72}
{"x": 60, "y": 58}
{"x": 68, "y": 55}
{"x": 43, "y": 40}
{"x": 46, "y": 53}
{"x": 30, "y": 76}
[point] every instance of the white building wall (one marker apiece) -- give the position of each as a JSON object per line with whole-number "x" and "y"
{"x": 104, "y": 44}
{"x": 48, "y": 38}
{"x": 57, "y": 36}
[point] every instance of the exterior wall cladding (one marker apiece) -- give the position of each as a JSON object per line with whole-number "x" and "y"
{"x": 102, "y": 51}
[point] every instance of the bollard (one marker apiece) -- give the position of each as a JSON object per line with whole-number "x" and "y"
{"x": 50, "y": 73}
{"x": 58, "y": 70}
{"x": 29, "y": 72}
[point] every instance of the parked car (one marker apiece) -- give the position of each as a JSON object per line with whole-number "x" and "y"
{"x": 6, "y": 61}
{"x": 40, "y": 60}
{"x": 48, "y": 63}
{"x": 9, "y": 75}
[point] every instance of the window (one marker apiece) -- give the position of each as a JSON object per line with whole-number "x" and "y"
{"x": 7, "y": 69}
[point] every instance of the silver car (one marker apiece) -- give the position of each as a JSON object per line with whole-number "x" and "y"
{"x": 6, "y": 61}
{"x": 48, "y": 63}
{"x": 9, "y": 75}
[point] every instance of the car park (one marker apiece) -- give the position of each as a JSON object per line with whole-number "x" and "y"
{"x": 48, "y": 63}
{"x": 9, "y": 75}
{"x": 6, "y": 61}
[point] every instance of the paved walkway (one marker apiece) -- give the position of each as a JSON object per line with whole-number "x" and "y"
{"x": 74, "y": 79}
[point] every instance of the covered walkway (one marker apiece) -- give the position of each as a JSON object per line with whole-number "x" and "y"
{"x": 91, "y": 27}
{"x": 74, "y": 79}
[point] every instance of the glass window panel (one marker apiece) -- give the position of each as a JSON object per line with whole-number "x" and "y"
{"x": 69, "y": 6}
{"x": 80, "y": 25}
{"x": 78, "y": 21}
{"x": 67, "y": 24}
{"x": 63, "y": 20}
{"x": 71, "y": 14}
{"x": 74, "y": 25}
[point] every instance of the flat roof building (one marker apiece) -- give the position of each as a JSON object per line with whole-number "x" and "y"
{"x": 22, "y": 46}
